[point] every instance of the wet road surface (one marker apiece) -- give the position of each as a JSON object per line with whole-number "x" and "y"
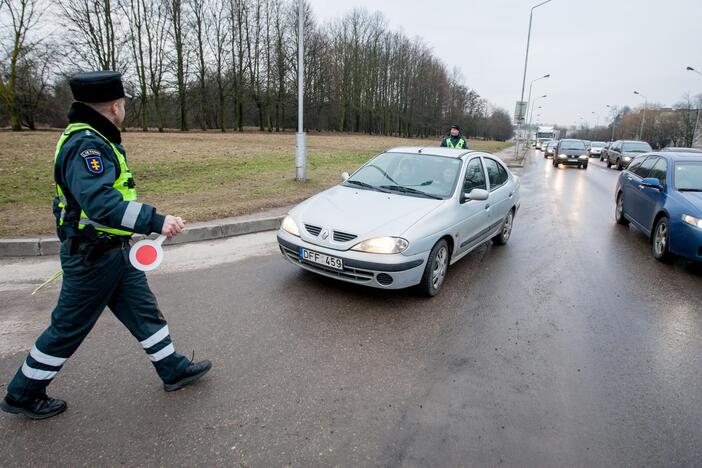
{"x": 571, "y": 346}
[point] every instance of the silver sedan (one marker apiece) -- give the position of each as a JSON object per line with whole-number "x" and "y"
{"x": 403, "y": 218}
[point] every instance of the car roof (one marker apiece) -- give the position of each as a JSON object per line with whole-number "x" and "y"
{"x": 431, "y": 151}
{"x": 676, "y": 156}
{"x": 680, "y": 149}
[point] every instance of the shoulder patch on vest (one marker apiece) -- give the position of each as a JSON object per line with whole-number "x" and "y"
{"x": 93, "y": 159}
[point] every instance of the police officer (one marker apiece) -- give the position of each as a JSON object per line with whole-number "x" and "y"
{"x": 97, "y": 211}
{"x": 455, "y": 139}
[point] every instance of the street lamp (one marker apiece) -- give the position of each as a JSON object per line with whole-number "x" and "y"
{"x": 697, "y": 119}
{"x": 300, "y": 137}
{"x": 526, "y": 61}
{"x": 614, "y": 120}
{"x": 529, "y": 103}
{"x": 643, "y": 118}
{"x": 532, "y": 108}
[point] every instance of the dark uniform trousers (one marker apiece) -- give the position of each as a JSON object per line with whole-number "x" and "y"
{"x": 113, "y": 282}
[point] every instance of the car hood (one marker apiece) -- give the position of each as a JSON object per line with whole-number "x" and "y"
{"x": 363, "y": 213}
{"x": 694, "y": 199}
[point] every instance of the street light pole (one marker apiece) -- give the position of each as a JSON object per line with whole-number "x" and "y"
{"x": 697, "y": 119}
{"x": 526, "y": 61}
{"x": 614, "y": 120}
{"x": 529, "y": 103}
{"x": 300, "y": 138}
{"x": 532, "y": 110}
{"x": 643, "y": 118}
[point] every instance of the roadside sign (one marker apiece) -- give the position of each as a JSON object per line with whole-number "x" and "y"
{"x": 147, "y": 254}
{"x": 520, "y": 111}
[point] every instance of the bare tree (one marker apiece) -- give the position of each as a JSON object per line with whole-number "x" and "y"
{"x": 23, "y": 17}
{"x": 134, "y": 12}
{"x": 92, "y": 33}
{"x": 218, "y": 43}
{"x": 199, "y": 25}
{"x": 176, "y": 18}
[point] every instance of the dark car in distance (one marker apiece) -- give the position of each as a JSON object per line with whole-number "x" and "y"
{"x": 571, "y": 152}
{"x": 550, "y": 148}
{"x": 622, "y": 152}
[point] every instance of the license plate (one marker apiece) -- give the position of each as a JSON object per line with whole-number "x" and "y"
{"x": 572, "y": 160}
{"x": 321, "y": 259}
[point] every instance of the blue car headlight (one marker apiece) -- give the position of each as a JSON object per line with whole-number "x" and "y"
{"x": 692, "y": 221}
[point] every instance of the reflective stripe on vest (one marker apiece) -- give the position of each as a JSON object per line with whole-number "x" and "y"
{"x": 122, "y": 185}
{"x": 459, "y": 145}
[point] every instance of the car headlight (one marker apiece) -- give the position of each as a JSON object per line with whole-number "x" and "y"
{"x": 691, "y": 220}
{"x": 562, "y": 156}
{"x": 290, "y": 226}
{"x": 382, "y": 245}
{"x": 627, "y": 158}
{"x": 583, "y": 156}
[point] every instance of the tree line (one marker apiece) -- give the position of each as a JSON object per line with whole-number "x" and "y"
{"x": 679, "y": 125}
{"x": 230, "y": 64}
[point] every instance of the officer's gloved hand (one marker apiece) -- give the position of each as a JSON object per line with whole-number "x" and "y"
{"x": 172, "y": 226}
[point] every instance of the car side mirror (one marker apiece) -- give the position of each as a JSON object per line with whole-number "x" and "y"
{"x": 652, "y": 182}
{"x": 475, "y": 194}
{"x": 345, "y": 176}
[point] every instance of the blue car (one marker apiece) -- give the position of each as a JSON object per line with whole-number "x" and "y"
{"x": 660, "y": 193}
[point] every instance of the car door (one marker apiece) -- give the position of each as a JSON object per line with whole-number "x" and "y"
{"x": 474, "y": 213}
{"x": 633, "y": 198}
{"x": 651, "y": 198}
{"x": 500, "y": 192}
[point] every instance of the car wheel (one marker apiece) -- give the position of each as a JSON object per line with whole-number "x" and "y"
{"x": 435, "y": 271}
{"x": 503, "y": 237}
{"x": 660, "y": 246}
{"x": 619, "y": 211}
{"x": 609, "y": 164}
{"x": 619, "y": 165}
{"x": 584, "y": 166}
{"x": 601, "y": 159}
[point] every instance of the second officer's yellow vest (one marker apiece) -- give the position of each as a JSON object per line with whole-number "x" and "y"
{"x": 460, "y": 144}
{"x": 124, "y": 183}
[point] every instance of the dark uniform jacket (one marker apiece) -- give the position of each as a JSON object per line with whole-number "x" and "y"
{"x": 91, "y": 191}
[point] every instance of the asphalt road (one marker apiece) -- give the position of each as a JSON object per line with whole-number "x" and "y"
{"x": 571, "y": 346}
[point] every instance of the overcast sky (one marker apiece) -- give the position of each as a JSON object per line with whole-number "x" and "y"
{"x": 597, "y": 51}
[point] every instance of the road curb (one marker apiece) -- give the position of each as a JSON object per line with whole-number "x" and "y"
{"x": 35, "y": 247}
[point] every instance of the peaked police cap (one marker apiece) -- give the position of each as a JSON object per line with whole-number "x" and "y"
{"x": 97, "y": 86}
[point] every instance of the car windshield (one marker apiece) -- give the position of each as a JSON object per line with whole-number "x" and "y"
{"x": 572, "y": 145}
{"x": 415, "y": 175}
{"x": 688, "y": 176}
{"x": 598, "y": 144}
{"x": 636, "y": 147}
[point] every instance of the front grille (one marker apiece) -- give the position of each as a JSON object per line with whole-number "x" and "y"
{"x": 343, "y": 236}
{"x": 384, "y": 279}
{"x": 352, "y": 274}
{"x": 314, "y": 230}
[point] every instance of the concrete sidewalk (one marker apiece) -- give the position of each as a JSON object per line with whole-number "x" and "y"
{"x": 217, "y": 229}
{"x": 509, "y": 156}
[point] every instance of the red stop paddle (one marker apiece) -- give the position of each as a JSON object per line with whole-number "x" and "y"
{"x": 147, "y": 254}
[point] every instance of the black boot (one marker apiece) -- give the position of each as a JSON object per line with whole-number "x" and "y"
{"x": 191, "y": 374}
{"x": 41, "y": 407}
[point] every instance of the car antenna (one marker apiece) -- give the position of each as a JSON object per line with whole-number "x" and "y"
{"x": 420, "y": 150}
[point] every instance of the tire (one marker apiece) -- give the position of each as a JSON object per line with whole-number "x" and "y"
{"x": 609, "y": 164}
{"x": 506, "y": 232}
{"x": 619, "y": 165}
{"x": 435, "y": 271}
{"x": 585, "y": 166}
{"x": 619, "y": 211}
{"x": 660, "y": 237}
{"x": 601, "y": 158}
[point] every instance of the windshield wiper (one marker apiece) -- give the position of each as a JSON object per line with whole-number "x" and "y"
{"x": 689, "y": 190}
{"x": 365, "y": 185}
{"x": 403, "y": 189}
